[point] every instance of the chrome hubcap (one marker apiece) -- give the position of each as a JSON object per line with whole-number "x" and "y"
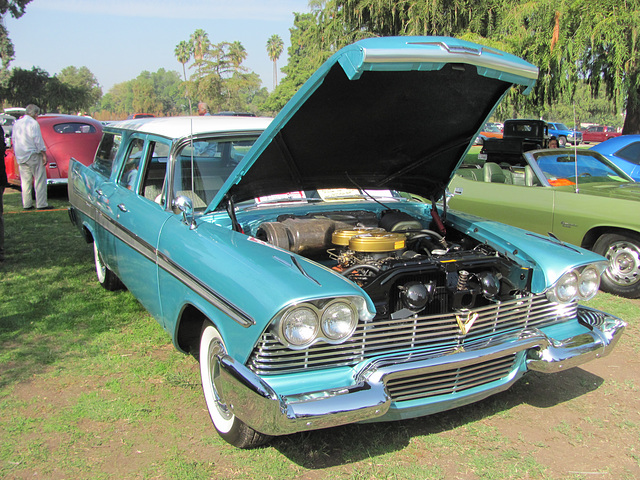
{"x": 216, "y": 348}
{"x": 624, "y": 263}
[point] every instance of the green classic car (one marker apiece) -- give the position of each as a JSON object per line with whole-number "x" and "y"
{"x": 575, "y": 196}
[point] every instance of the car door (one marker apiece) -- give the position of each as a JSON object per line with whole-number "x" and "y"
{"x": 525, "y": 203}
{"x": 140, "y": 214}
{"x": 100, "y": 187}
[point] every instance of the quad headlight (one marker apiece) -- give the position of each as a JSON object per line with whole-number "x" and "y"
{"x": 301, "y": 325}
{"x": 577, "y": 284}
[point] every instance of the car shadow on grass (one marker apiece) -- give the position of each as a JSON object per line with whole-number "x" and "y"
{"x": 353, "y": 443}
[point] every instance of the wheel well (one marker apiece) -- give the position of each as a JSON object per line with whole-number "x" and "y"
{"x": 86, "y": 233}
{"x": 189, "y": 329}
{"x": 592, "y": 235}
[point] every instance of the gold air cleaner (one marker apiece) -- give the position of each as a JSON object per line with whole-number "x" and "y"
{"x": 342, "y": 237}
{"x": 377, "y": 242}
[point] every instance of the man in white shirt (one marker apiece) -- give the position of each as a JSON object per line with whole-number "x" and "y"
{"x": 30, "y": 152}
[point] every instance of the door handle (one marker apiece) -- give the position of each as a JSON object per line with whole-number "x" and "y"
{"x": 122, "y": 207}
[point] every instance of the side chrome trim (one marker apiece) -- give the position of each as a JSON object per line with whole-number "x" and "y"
{"x": 149, "y": 252}
{"x": 204, "y": 290}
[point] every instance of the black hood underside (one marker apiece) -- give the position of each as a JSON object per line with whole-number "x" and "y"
{"x": 400, "y": 130}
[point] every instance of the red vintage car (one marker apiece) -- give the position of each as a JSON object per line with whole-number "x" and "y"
{"x": 65, "y": 136}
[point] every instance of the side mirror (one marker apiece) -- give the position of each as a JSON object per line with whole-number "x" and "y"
{"x": 185, "y": 205}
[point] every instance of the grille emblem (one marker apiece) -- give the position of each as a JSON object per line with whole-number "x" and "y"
{"x": 466, "y": 325}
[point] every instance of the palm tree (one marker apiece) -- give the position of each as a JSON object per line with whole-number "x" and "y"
{"x": 237, "y": 54}
{"x": 183, "y": 53}
{"x": 201, "y": 43}
{"x": 274, "y": 49}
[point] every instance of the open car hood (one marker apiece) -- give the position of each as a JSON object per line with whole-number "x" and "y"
{"x": 383, "y": 113}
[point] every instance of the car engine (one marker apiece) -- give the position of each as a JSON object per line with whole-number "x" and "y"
{"x": 406, "y": 269}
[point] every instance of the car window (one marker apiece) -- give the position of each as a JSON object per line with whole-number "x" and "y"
{"x": 561, "y": 169}
{"x": 203, "y": 165}
{"x": 129, "y": 174}
{"x": 630, "y": 153}
{"x": 74, "y": 127}
{"x": 153, "y": 183}
{"x": 106, "y": 153}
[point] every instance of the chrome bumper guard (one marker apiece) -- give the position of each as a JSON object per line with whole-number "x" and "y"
{"x": 57, "y": 181}
{"x": 253, "y": 401}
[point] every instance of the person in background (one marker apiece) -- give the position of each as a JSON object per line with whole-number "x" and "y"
{"x": 553, "y": 142}
{"x": 3, "y": 183}
{"x": 203, "y": 109}
{"x": 31, "y": 155}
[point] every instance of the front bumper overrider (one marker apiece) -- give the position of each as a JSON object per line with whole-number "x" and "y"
{"x": 256, "y": 403}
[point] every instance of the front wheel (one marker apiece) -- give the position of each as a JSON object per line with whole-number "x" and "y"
{"x": 106, "y": 277}
{"x": 229, "y": 427}
{"x": 562, "y": 142}
{"x": 622, "y": 276}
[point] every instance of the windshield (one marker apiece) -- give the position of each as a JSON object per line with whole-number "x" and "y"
{"x": 203, "y": 165}
{"x": 561, "y": 126}
{"x": 561, "y": 168}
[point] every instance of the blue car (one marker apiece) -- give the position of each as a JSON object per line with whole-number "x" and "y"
{"x": 564, "y": 134}
{"x": 305, "y": 260}
{"x": 624, "y": 151}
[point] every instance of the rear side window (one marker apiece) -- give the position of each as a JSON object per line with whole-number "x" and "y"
{"x": 74, "y": 127}
{"x": 106, "y": 153}
{"x": 630, "y": 153}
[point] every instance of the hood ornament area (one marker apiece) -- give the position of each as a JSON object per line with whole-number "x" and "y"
{"x": 465, "y": 324}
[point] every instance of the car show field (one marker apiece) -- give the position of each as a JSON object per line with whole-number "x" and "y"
{"x": 87, "y": 379}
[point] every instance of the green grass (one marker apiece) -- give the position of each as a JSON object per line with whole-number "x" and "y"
{"x": 91, "y": 388}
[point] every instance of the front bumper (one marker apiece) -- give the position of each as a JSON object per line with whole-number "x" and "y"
{"x": 253, "y": 401}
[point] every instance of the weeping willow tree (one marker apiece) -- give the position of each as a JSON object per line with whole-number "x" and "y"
{"x": 609, "y": 34}
{"x": 571, "y": 41}
{"x": 590, "y": 41}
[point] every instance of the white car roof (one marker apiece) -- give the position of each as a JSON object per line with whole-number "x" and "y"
{"x": 180, "y": 127}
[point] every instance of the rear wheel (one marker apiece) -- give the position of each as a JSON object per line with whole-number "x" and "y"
{"x": 622, "y": 276}
{"x": 229, "y": 427}
{"x": 106, "y": 277}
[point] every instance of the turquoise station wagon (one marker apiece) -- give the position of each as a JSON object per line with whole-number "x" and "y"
{"x": 297, "y": 259}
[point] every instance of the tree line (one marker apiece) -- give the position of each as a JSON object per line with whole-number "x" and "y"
{"x": 588, "y": 53}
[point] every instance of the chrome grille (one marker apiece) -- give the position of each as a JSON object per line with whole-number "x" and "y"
{"x": 432, "y": 333}
{"x": 592, "y": 318}
{"x": 450, "y": 381}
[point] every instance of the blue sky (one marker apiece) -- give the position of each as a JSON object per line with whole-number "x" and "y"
{"x": 118, "y": 39}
